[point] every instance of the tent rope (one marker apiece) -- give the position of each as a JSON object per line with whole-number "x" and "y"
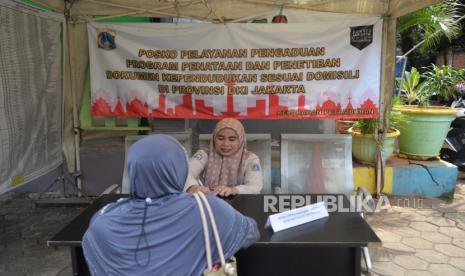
{"x": 212, "y": 11}
{"x": 176, "y": 8}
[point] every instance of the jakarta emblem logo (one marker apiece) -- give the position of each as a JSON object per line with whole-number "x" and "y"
{"x": 106, "y": 39}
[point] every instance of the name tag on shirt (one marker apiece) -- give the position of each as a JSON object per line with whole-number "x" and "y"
{"x": 295, "y": 217}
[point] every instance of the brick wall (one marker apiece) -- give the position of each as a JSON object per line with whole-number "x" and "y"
{"x": 458, "y": 59}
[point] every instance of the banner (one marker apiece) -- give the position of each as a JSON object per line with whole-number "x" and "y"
{"x": 267, "y": 71}
{"x": 31, "y": 93}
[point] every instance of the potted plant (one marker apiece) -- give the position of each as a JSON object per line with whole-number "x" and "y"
{"x": 364, "y": 142}
{"x": 427, "y": 126}
{"x": 442, "y": 81}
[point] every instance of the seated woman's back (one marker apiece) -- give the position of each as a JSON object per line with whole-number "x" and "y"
{"x": 158, "y": 230}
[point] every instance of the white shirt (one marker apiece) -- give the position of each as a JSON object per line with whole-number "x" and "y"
{"x": 253, "y": 180}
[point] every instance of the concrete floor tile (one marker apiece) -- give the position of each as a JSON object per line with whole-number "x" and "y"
{"x": 390, "y": 225}
{"x": 6, "y": 239}
{"x": 24, "y": 244}
{"x": 404, "y": 205}
{"x": 452, "y": 232}
{"x": 405, "y": 210}
{"x": 65, "y": 271}
{"x": 461, "y": 207}
{"x": 445, "y": 208}
{"x": 58, "y": 267}
{"x": 417, "y": 243}
{"x": 377, "y": 228}
{"x": 380, "y": 254}
{"x": 460, "y": 242}
{"x": 458, "y": 263}
{"x": 428, "y": 212}
{"x": 373, "y": 219}
{"x": 395, "y": 222}
{"x": 436, "y": 237}
{"x": 461, "y": 225}
{"x": 39, "y": 250}
{"x": 11, "y": 254}
{"x": 24, "y": 265}
{"x": 387, "y": 236}
{"x": 406, "y": 232}
{"x": 432, "y": 256}
{"x": 413, "y": 217}
{"x": 396, "y": 209}
{"x": 17, "y": 269}
{"x": 450, "y": 250}
{"x": 440, "y": 221}
{"x": 423, "y": 226}
{"x": 388, "y": 268}
{"x": 445, "y": 270}
{"x": 52, "y": 262}
{"x": 457, "y": 217}
{"x": 397, "y": 248}
{"x": 410, "y": 262}
{"x": 459, "y": 189}
{"x": 374, "y": 222}
{"x": 418, "y": 273}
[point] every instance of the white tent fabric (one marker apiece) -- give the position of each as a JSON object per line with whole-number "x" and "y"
{"x": 80, "y": 11}
{"x": 31, "y": 93}
{"x": 212, "y": 10}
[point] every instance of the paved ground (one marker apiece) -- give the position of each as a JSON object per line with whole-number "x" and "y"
{"x": 24, "y": 231}
{"x": 426, "y": 240}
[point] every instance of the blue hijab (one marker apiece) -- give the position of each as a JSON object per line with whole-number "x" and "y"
{"x": 158, "y": 230}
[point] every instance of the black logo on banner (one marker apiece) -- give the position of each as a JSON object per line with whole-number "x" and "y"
{"x": 361, "y": 36}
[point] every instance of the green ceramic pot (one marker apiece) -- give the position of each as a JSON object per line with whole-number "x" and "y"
{"x": 364, "y": 145}
{"x": 424, "y": 131}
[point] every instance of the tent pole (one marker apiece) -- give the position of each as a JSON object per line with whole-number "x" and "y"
{"x": 118, "y": 15}
{"x": 387, "y": 88}
{"x": 76, "y": 131}
{"x": 167, "y": 7}
{"x": 314, "y": 6}
{"x": 205, "y": 3}
{"x": 157, "y": 11}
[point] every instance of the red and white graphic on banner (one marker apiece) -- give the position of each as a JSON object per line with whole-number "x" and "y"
{"x": 208, "y": 71}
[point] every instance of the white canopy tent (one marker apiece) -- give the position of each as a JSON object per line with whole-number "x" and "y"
{"x": 79, "y": 12}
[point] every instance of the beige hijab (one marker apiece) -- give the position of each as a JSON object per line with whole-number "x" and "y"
{"x": 226, "y": 170}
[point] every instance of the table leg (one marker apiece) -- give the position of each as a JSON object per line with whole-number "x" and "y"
{"x": 79, "y": 262}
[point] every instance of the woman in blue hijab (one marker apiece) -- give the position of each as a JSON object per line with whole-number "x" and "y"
{"x": 158, "y": 230}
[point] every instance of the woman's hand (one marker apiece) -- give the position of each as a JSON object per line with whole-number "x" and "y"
{"x": 196, "y": 188}
{"x": 225, "y": 191}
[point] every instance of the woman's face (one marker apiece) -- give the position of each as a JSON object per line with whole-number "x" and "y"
{"x": 226, "y": 142}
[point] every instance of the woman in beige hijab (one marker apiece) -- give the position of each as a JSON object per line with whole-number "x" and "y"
{"x": 226, "y": 167}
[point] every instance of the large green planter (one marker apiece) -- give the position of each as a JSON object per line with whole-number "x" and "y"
{"x": 424, "y": 130}
{"x": 364, "y": 145}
